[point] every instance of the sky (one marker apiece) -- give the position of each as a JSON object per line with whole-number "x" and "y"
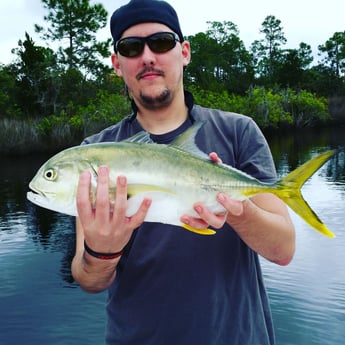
{"x": 302, "y": 20}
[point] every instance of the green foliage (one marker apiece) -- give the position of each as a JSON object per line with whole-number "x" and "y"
{"x": 306, "y": 108}
{"x": 334, "y": 48}
{"x": 104, "y": 110}
{"x": 267, "y": 52}
{"x": 262, "y": 105}
{"x": 212, "y": 99}
{"x": 265, "y": 107}
{"x": 220, "y": 61}
{"x": 33, "y": 74}
{"x": 292, "y": 67}
{"x": 8, "y": 106}
{"x": 270, "y": 108}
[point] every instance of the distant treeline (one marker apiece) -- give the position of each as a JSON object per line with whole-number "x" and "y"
{"x": 51, "y": 99}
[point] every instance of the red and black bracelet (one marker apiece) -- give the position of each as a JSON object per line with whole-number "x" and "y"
{"x": 102, "y": 256}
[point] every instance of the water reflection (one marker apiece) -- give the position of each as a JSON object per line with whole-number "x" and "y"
{"x": 308, "y": 296}
{"x": 54, "y": 232}
{"x": 36, "y": 248}
{"x": 21, "y": 221}
{"x": 292, "y": 148}
{"x": 37, "y": 245}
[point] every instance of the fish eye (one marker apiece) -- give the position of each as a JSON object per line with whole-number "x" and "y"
{"x": 50, "y": 174}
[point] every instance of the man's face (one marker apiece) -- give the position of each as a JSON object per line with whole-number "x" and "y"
{"x": 152, "y": 78}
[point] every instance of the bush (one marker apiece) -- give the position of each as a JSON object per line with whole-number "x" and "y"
{"x": 106, "y": 109}
{"x": 270, "y": 108}
{"x": 266, "y": 108}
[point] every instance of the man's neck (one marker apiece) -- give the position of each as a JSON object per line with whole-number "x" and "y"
{"x": 163, "y": 120}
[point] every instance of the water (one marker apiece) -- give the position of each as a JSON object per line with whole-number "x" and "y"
{"x": 41, "y": 304}
{"x": 308, "y": 296}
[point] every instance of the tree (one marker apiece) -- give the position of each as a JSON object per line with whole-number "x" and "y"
{"x": 233, "y": 61}
{"x": 220, "y": 60}
{"x": 334, "y": 48}
{"x": 200, "y": 70}
{"x": 293, "y": 66}
{"x": 35, "y": 72}
{"x": 76, "y": 22}
{"x": 267, "y": 52}
{"x": 323, "y": 81}
{"x": 331, "y": 70}
{"x": 8, "y": 103}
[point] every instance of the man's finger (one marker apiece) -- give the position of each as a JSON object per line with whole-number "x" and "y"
{"x": 214, "y": 157}
{"x": 84, "y": 206}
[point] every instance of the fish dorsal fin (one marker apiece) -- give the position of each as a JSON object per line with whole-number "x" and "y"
{"x": 186, "y": 140}
{"x": 141, "y": 137}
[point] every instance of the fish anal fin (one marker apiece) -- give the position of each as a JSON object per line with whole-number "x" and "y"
{"x": 199, "y": 231}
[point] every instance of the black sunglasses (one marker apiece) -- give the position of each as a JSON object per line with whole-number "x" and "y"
{"x": 160, "y": 42}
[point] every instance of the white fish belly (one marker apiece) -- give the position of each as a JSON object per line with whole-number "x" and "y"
{"x": 168, "y": 208}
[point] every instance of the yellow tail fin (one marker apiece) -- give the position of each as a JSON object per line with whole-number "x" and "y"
{"x": 289, "y": 190}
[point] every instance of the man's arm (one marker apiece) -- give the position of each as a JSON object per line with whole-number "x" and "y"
{"x": 264, "y": 224}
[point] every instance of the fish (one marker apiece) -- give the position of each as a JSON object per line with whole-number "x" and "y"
{"x": 174, "y": 176}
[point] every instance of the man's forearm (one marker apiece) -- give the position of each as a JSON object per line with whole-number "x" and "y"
{"x": 265, "y": 226}
{"x": 92, "y": 274}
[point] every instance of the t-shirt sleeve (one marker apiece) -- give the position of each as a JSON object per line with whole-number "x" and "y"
{"x": 254, "y": 156}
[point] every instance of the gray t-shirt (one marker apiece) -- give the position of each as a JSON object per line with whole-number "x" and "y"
{"x": 174, "y": 287}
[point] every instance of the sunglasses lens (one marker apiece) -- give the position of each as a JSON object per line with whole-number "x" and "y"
{"x": 130, "y": 47}
{"x": 161, "y": 42}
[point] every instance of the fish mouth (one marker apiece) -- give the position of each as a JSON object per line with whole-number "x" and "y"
{"x": 47, "y": 201}
{"x": 37, "y": 197}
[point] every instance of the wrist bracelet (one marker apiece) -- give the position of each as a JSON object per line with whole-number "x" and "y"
{"x": 102, "y": 256}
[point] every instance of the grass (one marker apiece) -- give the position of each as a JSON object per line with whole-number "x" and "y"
{"x": 22, "y": 136}
{"x": 18, "y": 136}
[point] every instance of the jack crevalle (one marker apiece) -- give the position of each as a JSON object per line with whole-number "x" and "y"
{"x": 174, "y": 176}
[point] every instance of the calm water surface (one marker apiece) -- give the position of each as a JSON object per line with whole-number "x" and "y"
{"x": 41, "y": 304}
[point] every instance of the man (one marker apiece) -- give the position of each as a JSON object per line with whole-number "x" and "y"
{"x": 168, "y": 285}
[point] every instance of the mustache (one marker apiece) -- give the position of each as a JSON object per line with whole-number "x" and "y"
{"x": 149, "y": 70}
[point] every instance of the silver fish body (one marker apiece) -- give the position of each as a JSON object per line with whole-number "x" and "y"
{"x": 174, "y": 176}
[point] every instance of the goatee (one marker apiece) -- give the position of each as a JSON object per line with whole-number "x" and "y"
{"x": 157, "y": 102}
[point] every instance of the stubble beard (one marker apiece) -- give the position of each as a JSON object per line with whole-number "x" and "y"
{"x": 156, "y": 102}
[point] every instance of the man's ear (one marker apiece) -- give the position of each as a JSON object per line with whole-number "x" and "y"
{"x": 186, "y": 53}
{"x": 116, "y": 64}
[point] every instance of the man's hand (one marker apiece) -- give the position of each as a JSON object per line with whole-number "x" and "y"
{"x": 207, "y": 218}
{"x": 106, "y": 227}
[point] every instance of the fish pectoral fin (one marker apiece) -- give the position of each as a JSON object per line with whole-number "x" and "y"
{"x": 142, "y": 137}
{"x": 205, "y": 231}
